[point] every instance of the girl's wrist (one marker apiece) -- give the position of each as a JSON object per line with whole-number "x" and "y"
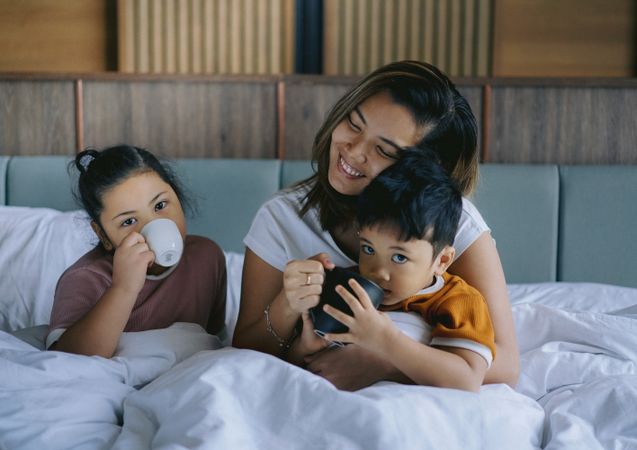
{"x": 122, "y": 291}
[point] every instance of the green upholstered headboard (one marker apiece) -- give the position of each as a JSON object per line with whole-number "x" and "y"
{"x": 550, "y": 223}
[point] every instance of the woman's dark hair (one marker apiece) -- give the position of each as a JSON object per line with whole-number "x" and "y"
{"x": 444, "y": 117}
{"x": 102, "y": 170}
{"x": 416, "y": 197}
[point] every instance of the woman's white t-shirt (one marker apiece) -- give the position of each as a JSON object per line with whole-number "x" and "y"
{"x": 278, "y": 234}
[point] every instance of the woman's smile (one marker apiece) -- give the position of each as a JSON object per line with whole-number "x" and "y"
{"x": 348, "y": 169}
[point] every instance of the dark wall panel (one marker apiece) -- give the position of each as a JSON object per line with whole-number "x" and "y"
{"x": 183, "y": 118}
{"x": 306, "y": 106}
{"x": 473, "y": 95}
{"x": 563, "y": 125}
{"x": 37, "y": 117}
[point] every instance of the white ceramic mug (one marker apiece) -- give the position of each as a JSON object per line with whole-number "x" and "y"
{"x": 164, "y": 239}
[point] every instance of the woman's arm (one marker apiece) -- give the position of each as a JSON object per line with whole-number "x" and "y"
{"x": 287, "y": 293}
{"x": 480, "y": 266}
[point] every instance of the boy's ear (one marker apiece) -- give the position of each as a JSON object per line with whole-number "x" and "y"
{"x": 444, "y": 260}
{"x": 106, "y": 243}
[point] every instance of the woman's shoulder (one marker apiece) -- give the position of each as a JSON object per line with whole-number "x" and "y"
{"x": 471, "y": 215}
{"x": 288, "y": 198}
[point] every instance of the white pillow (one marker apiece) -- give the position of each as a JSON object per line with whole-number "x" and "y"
{"x": 36, "y": 246}
{"x": 234, "y": 268}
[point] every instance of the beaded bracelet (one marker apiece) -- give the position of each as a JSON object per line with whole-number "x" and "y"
{"x": 285, "y": 344}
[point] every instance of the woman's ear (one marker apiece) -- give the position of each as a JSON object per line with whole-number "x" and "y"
{"x": 444, "y": 260}
{"x": 106, "y": 243}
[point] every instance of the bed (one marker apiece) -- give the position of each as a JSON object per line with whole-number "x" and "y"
{"x": 567, "y": 237}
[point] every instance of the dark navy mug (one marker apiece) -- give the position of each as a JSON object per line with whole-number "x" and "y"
{"x": 323, "y": 322}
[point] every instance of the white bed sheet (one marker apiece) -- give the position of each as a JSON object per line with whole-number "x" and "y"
{"x": 168, "y": 389}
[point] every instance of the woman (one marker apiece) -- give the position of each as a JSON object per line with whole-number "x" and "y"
{"x": 399, "y": 105}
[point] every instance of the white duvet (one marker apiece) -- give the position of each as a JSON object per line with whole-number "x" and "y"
{"x": 174, "y": 389}
{"x": 170, "y": 389}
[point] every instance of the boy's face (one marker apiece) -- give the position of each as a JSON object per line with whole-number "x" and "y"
{"x": 401, "y": 268}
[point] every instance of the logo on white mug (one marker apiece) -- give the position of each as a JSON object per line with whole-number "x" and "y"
{"x": 164, "y": 239}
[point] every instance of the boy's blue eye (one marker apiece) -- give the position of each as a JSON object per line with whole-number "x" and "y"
{"x": 367, "y": 249}
{"x": 161, "y": 205}
{"x": 399, "y": 259}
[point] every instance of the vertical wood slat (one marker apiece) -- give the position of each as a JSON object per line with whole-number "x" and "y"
{"x": 79, "y": 116}
{"x": 206, "y": 36}
{"x": 126, "y": 35}
{"x": 289, "y": 35}
{"x": 331, "y": 31}
{"x": 169, "y": 41}
{"x": 360, "y": 35}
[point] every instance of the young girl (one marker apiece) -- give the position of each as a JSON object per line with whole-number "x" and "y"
{"x": 117, "y": 286}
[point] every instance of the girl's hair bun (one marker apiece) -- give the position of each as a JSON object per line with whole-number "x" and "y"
{"x": 84, "y": 159}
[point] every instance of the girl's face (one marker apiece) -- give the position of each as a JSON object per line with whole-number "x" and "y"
{"x": 136, "y": 201}
{"x": 366, "y": 142}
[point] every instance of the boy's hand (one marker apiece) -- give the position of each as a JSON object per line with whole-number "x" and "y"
{"x": 368, "y": 327}
{"x": 130, "y": 262}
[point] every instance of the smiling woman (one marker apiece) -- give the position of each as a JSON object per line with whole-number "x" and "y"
{"x": 312, "y": 227}
{"x": 366, "y": 143}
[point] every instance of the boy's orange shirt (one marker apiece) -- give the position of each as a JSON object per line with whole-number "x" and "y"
{"x": 455, "y": 311}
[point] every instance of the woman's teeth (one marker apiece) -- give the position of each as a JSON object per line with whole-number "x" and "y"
{"x": 349, "y": 169}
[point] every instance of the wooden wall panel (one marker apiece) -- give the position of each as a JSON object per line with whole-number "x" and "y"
{"x": 183, "y": 119}
{"x": 361, "y": 35}
{"x": 58, "y": 36}
{"x": 206, "y": 36}
{"x": 307, "y": 102}
{"x": 563, "y": 125}
{"x": 535, "y": 38}
{"x": 306, "y": 106}
{"x": 473, "y": 95}
{"x": 37, "y": 117}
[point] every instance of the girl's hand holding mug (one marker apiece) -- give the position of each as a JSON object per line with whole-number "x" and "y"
{"x": 303, "y": 281}
{"x": 130, "y": 262}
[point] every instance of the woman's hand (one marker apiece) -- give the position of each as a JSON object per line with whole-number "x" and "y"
{"x": 303, "y": 282}
{"x": 352, "y": 367}
{"x": 130, "y": 262}
{"x": 307, "y": 343}
{"x": 286, "y": 293}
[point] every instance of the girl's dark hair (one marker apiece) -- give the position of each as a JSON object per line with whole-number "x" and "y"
{"x": 416, "y": 197}
{"x": 102, "y": 170}
{"x": 445, "y": 118}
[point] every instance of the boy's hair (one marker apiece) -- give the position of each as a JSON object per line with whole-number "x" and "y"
{"x": 102, "y": 170}
{"x": 416, "y": 196}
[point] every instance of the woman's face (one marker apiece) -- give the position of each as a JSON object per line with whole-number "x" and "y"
{"x": 366, "y": 142}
